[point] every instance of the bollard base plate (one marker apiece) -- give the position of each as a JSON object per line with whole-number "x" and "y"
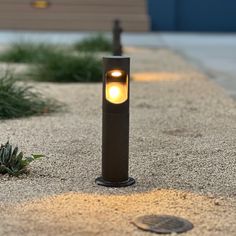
{"x": 128, "y": 182}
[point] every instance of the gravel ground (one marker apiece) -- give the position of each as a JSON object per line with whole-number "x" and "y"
{"x": 182, "y": 154}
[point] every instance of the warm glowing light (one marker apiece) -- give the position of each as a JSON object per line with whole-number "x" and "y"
{"x": 40, "y": 4}
{"x": 116, "y": 92}
{"x": 116, "y": 86}
{"x": 161, "y": 76}
{"x": 116, "y": 73}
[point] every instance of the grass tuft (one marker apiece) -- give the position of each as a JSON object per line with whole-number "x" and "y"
{"x": 68, "y": 68}
{"x": 53, "y": 64}
{"x": 98, "y": 43}
{"x": 20, "y": 101}
{"x": 26, "y": 52}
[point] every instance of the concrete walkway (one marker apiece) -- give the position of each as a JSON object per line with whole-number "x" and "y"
{"x": 213, "y": 53}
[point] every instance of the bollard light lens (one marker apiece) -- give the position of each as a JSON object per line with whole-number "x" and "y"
{"x": 116, "y": 73}
{"x": 114, "y": 92}
{"x": 116, "y": 86}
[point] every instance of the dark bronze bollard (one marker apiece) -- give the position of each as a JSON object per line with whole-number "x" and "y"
{"x": 115, "y": 123}
{"x": 117, "y": 30}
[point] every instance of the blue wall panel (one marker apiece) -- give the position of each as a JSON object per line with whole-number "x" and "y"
{"x": 193, "y": 15}
{"x": 162, "y": 14}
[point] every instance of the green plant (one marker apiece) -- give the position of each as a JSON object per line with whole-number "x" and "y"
{"x": 12, "y": 162}
{"x": 19, "y": 100}
{"x": 26, "y": 52}
{"x": 68, "y": 68}
{"x": 94, "y": 44}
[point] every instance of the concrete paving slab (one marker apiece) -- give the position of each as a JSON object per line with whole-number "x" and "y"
{"x": 215, "y": 54}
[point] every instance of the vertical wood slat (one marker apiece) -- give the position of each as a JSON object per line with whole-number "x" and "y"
{"x": 74, "y": 15}
{"x": 82, "y": 2}
{"x": 19, "y": 8}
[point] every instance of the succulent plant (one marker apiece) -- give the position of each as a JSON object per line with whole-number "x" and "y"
{"x": 12, "y": 162}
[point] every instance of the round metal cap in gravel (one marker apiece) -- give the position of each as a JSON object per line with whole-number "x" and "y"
{"x": 163, "y": 224}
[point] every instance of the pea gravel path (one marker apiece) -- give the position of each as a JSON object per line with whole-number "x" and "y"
{"x": 182, "y": 154}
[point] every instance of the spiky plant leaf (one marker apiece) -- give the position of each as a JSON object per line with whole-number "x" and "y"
{"x": 12, "y": 162}
{"x": 19, "y": 100}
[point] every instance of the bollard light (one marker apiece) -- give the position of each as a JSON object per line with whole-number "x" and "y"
{"x": 40, "y": 4}
{"x": 116, "y": 32}
{"x": 116, "y": 86}
{"x": 115, "y": 123}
